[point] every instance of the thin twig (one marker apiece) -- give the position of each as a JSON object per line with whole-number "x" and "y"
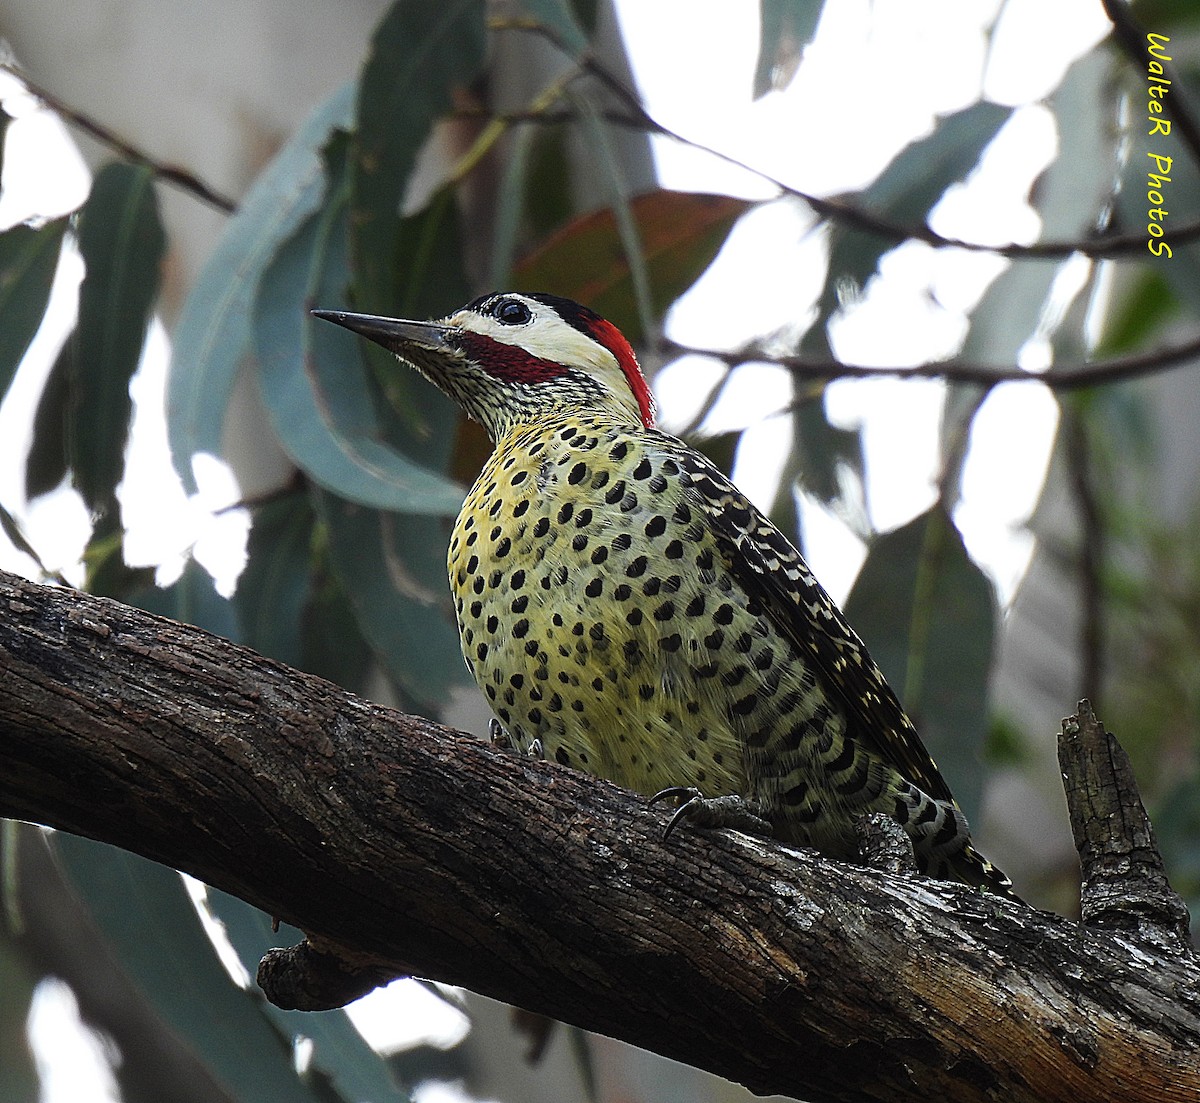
{"x": 1064, "y": 378}
{"x": 169, "y": 174}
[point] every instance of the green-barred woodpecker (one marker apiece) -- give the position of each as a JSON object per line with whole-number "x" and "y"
{"x": 627, "y": 611}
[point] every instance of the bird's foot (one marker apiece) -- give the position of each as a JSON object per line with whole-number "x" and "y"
{"x": 498, "y": 735}
{"x": 731, "y": 811}
{"x": 884, "y": 844}
{"x": 499, "y": 738}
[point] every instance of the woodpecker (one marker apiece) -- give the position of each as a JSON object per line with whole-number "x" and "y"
{"x": 628, "y": 612}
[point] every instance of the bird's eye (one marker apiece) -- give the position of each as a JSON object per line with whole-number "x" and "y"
{"x": 511, "y": 312}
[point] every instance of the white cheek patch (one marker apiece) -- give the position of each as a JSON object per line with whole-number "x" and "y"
{"x": 548, "y": 337}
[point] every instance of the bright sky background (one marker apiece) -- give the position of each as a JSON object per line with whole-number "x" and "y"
{"x": 863, "y": 47}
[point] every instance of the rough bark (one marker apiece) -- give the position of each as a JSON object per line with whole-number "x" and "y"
{"x": 403, "y": 847}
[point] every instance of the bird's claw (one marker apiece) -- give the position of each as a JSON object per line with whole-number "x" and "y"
{"x": 730, "y": 810}
{"x": 498, "y": 735}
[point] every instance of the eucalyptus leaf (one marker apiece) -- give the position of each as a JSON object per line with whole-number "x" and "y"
{"x": 28, "y": 260}
{"x": 152, "y": 926}
{"x": 274, "y": 587}
{"x": 928, "y": 615}
{"x": 191, "y": 599}
{"x": 393, "y": 567}
{"x": 680, "y": 235}
{"x": 354, "y": 1069}
{"x": 558, "y": 17}
{"x": 213, "y": 335}
{"x": 122, "y": 242}
{"x": 787, "y": 27}
{"x": 421, "y": 52}
{"x": 314, "y": 388}
{"x": 46, "y": 465}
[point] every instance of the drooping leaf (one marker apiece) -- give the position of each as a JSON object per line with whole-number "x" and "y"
{"x": 558, "y": 17}
{"x": 332, "y": 645}
{"x": 47, "y": 463}
{"x": 355, "y": 1070}
{"x": 431, "y": 281}
{"x": 192, "y": 599}
{"x": 273, "y": 589}
{"x": 12, "y": 529}
{"x": 547, "y": 198}
{"x": 510, "y": 205}
{"x": 150, "y": 923}
{"x": 919, "y": 174}
{"x": 392, "y": 567}
{"x": 18, "y": 979}
{"x": 615, "y": 175}
{"x": 787, "y": 27}
{"x": 213, "y": 335}
{"x": 28, "y": 259}
{"x": 904, "y": 192}
{"x": 422, "y": 51}
{"x": 928, "y": 615}
{"x": 5, "y": 119}
{"x": 721, "y": 448}
{"x": 313, "y": 384}
{"x": 122, "y": 242}
{"x": 680, "y": 233}
{"x": 1140, "y": 314}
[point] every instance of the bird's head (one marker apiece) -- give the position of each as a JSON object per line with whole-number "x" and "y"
{"x": 511, "y": 358}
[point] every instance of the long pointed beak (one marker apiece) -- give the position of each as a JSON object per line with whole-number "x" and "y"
{"x": 393, "y": 334}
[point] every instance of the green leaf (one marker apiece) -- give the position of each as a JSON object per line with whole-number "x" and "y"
{"x": 47, "y": 463}
{"x": 721, "y": 448}
{"x": 787, "y": 27}
{"x": 273, "y": 589}
{"x": 918, "y": 176}
{"x": 557, "y": 15}
{"x": 422, "y": 51}
{"x": 393, "y": 567}
{"x": 548, "y": 202}
{"x": 122, "y": 242}
{"x": 829, "y": 456}
{"x": 213, "y": 335}
{"x": 18, "y": 979}
{"x": 355, "y": 1070}
{"x": 191, "y": 599}
{"x": 928, "y": 615}
{"x": 1142, "y": 312}
{"x": 332, "y": 646}
{"x": 12, "y": 529}
{"x": 5, "y": 119}
{"x": 431, "y": 279}
{"x": 681, "y": 233}
{"x": 152, "y": 926}
{"x": 512, "y": 196}
{"x": 314, "y": 387}
{"x": 28, "y": 260}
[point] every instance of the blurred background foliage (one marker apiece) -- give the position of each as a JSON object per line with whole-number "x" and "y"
{"x": 482, "y": 146}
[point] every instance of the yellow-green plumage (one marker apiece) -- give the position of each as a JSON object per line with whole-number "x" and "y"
{"x": 628, "y": 612}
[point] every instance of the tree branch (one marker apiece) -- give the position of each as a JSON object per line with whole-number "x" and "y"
{"x": 404, "y": 847}
{"x": 1124, "y": 885}
{"x": 1064, "y": 377}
